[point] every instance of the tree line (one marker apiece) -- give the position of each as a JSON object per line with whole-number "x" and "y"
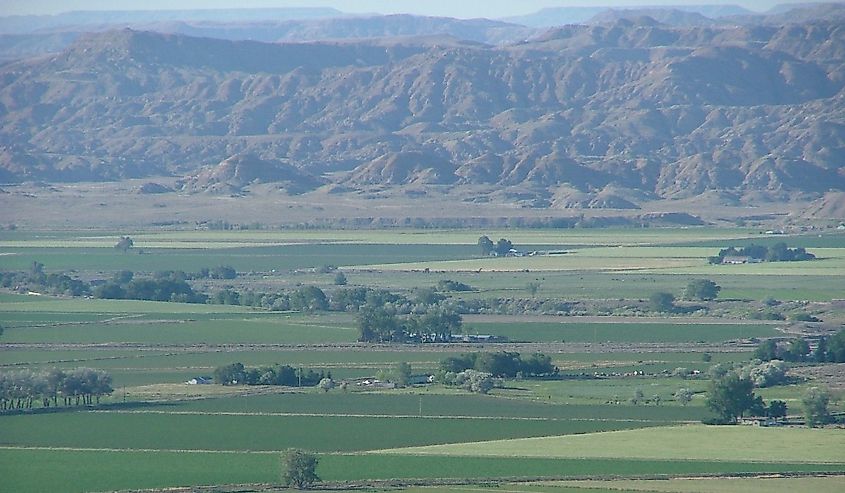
{"x": 383, "y": 324}
{"x": 162, "y": 286}
{"x": 36, "y": 279}
{"x": 779, "y": 252}
{"x": 82, "y": 386}
{"x": 501, "y": 247}
{"x": 828, "y": 350}
{"x": 278, "y": 374}
{"x": 502, "y": 364}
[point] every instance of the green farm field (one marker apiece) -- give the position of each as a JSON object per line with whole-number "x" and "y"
{"x": 37, "y": 470}
{"x": 622, "y": 332}
{"x": 230, "y": 331}
{"x": 692, "y": 442}
{"x": 202, "y": 239}
{"x": 831, "y": 484}
{"x": 243, "y": 258}
{"x": 155, "y": 431}
{"x": 200, "y": 431}
{"x": 655, "y": 260}
{"x": 432, "y": 404}
{"x": 589, "y": 285}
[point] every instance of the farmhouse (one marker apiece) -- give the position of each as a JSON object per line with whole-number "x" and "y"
{"x": 477, "y": 338}
{"x": 737, "y": 259}
{"x": 200, "y": 381}
{"x": 759, "y": 421}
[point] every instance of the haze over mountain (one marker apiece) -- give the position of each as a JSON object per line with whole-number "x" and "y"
{"x": 558, "y": 16}
{"x": 27, "y": 36}
{"x": 605, "y": 115}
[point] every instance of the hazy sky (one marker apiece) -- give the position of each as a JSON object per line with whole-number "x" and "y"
{"x": 452, "y": 8}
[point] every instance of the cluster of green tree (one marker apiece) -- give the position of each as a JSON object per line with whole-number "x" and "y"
{"x": 480, "y": 382}
{"x": 299, "y": 469}
{"x": 82, "y": 386}
{"x": 830, "y": 350}
{"x": 400, "y": 375}
{"x": 778, "y": 252}
{"x": 501, "y": 247}
{"x": 305, "y": 298}
{"x": 219, "y": 272}
{"x": 221, "y": 225}
{"x": 696, "y": 290}
{"x": 732, "y": 397}
{"x": 502, "y": 364}
{"x": 163, "y": 286}
{"x": 815, "y": 402}
{"x": 37, "y": 280}
{"x": 765, "y": 374}
{"x": 237, "y": 374}
{"x": 702, "y": 290}
{"x": 312, "y": 298}
{"x": 171, "y": 288}
{"x": 380, "y": 323}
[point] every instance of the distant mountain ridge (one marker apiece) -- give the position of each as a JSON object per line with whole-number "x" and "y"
{"x": 27, "y": 36}
{"x": 558, "y": 16}
{"x": 75, "y": 20}
{"x": 603, "y": 115}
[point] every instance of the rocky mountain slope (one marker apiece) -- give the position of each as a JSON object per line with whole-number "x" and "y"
{"x": 603, "y": 114}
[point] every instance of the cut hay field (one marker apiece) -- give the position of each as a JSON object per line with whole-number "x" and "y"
{"x": 591, "y": 285}
{"x": 655, "y": 260}
{"x": 45, "y": 304}
{"x": 830, "y": 484}
{"x": 414, "y": 402}
{"x": 243, "y": 259}
{"x": 259, "y": 238}
{"x": 199, "y": 431}
{"x": 691, "y": 442}
{"x": 229, "y": 331}
{"x": 622, "y": 332}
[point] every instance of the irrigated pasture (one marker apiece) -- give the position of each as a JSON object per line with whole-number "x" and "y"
{"x": 592, "y": 285}
{"x": 611, "y": 410}
{"x": 38, "y": 470}
{"x": 163, "y": 430}
{"x": 241, "y": 257}
{"x": 653, "y": 260}
{"x": 247, "y": 330}
{"x": 207, "y": 239}
{"x": 830, "y": 484}
{"x": 690, "y": 442}
{"x": 432, "y": 404}
{"x": 622, "y": 331}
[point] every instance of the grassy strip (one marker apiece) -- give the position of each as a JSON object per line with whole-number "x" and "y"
{"x": 234, "y": 432}
{"x": 76, "y": 471}
{"x": 694, "y": 442}
{"x": 621, "y": 332}
{"x": 358, "y": 467}
{"x": 434, "y": 405}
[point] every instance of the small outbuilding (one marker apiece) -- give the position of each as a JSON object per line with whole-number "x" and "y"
{"x": 200, "y": 381}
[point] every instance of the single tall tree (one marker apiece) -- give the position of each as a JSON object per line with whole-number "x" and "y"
{"x": 299, "y": 469}
{"x": 702, "y": 289}
{"x": 731, "y": 396}
{"x": 124, "y": 244}
{"x": 662, "y": 302}
{"x": 815, "y": 402}
{"x": 486, "y": 245}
